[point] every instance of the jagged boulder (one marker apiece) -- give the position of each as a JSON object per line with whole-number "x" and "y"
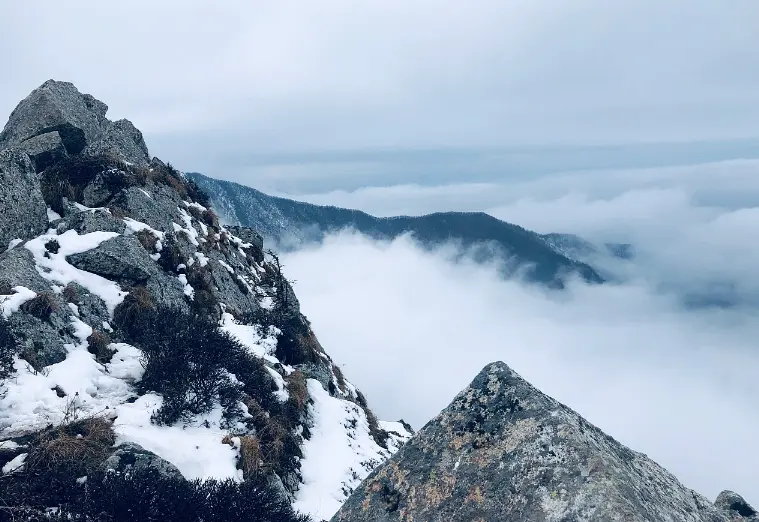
{"x": 71, "y": 123}
{"x": 505, "y": 451}
{"x": 24, "y": 213}
{"x": 121, "y": 138}
{"x": 734, "y": 504}
{"x": 133, "y": 457}
{"x": 121, "y": 258}
{"x": 44, "y": 150}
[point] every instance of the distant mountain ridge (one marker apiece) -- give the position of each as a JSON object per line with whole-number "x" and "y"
{"x": 545, "y": 259}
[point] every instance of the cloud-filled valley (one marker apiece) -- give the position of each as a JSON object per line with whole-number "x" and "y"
{"x": 674, "y": 381}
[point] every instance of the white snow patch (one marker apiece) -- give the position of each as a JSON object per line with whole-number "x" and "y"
{"x": 31, "y": 403}
{"x": 225, "y": 265}
{"x": 282, "y": 394}
{"x": 194, "y": 205}
{"x": 135, "y": 226}
{"x": 202, "y": 259}
{"x": 146, "y": 193}
{"x": 196, "y": 450}
{"x": 339, "y": 455}
{"x": 251, "y": 338}
{"x": 52, "y": 215}
{"x": 189, "y": 291}
{"x": 9, "y": 445}
{"x": 11, "y": 303}
{"x": 15, "y": 464}
{"x": 54, "y": 267}
{"x": 189, "y": 230}
{"x": 14, "y": 243}
{"x": 267, "y": 303}
{"x": 126, "y": 362}
{"x": 92, "y": 210}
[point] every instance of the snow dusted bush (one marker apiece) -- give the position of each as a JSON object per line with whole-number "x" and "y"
{"x": 7, "y": 349}
{"x": 147, "y": 496}
{"x": 194, "y": 366}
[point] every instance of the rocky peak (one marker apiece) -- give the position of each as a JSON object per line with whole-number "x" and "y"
{"x": 502, "y": 450}
{"x": 56, "y": 120}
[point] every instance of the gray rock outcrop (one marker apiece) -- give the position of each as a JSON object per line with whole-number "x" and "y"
{"x": 57, "y": 120}
{"x": 734, "y": 504}
{"x": 121, "y": 259}
{"x": 133, "y": 457}
{"x": 24, "y": 213}
{"x": 504, "y": 451}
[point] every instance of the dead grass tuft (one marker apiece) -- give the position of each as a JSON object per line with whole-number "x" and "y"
{"x": 98, "y": 345}
{"x": 41, "y": 307}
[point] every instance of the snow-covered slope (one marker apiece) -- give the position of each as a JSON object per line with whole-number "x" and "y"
{"x": 136, "y": 308}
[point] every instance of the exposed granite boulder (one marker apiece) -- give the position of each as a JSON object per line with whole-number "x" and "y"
{"x": 44, "y": 150}
{"x": 72, "y": 123}
{"x": 505, "y": 451}
{"x": 123, "y": 139}
{"x": 85, "y": 222}
{"x": 736, "y": 507}
{"x": 56, "y": 106}
{"x": 17, "y": 268}
{"x": 121, "y": 259}
{"x": 155, "y": 205}
{"x": 24, "y": 213}
{"x": 133, "y": 457}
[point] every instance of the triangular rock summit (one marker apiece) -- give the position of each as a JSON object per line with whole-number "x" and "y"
{"x": 504, "y": 451}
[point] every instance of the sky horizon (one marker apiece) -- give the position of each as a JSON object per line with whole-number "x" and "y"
{"x": 214, "y": 87}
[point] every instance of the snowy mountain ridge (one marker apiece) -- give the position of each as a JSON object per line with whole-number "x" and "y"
{"x": 547, "y": 259}
{"x": 145, "y": 338}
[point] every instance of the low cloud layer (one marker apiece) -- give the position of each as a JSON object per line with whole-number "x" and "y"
{"x": 676, "y": 382}
{"x": 412, "y": 330}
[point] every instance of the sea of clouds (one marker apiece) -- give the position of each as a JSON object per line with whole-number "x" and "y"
{"x": 672, "y": 380}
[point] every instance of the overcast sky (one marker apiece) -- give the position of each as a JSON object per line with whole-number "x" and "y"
{"x": 220, "y": 87}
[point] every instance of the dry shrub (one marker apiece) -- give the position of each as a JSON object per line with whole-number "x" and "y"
{"x": 195, "y": 212}
{"x": 296, "y": 386}
{"x": 171, "y": 255}
{"x": 41, "y": 307}
{"x": 377, "y": 433}
{"x": 177, "y": 185}
{"x": 80, "y": 443}
{"x": 339, "y": 376}
{"x": 133, "y": 312}
{"x": 69, "y": 177}
{"x": 71, "y": 294}
{"x": 5, "y": 288}
{"x": 147, "y": 239}
{"x": 210, "y": 218}
{"x": 30, "y": 355}
{"x": 200, "y": 279}
{"x": 98, "y": 345}
{"x": 64, "y": 453}
{"x": 117, "y": 212}
{"x": 250, "y": 455}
